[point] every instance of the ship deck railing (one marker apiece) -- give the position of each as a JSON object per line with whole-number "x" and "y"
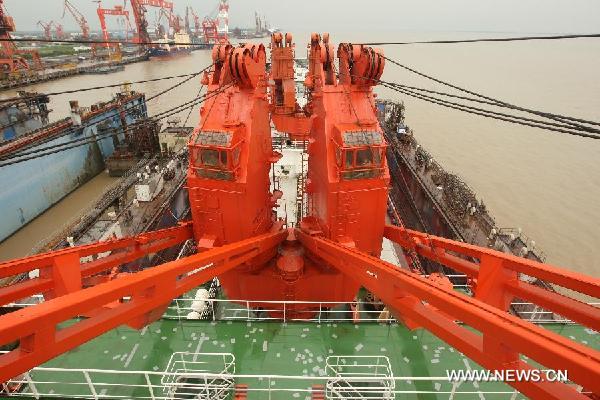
{"x": 218, "y": 309}
{"x": 146, "y": 385}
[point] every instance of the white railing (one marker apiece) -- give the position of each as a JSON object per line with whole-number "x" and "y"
{"x": 63, "y": 383}
{"x": 349, "y": 381}
{"x": 298, "y": 311}
{"x": 201, "y": 376}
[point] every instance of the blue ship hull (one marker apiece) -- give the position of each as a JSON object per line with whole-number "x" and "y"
{"x": 31, "y": 187}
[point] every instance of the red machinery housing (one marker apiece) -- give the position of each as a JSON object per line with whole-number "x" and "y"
{"x": 328, "y": 257}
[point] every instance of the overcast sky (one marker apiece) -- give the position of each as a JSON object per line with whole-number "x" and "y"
{"x": 524, "y": 16}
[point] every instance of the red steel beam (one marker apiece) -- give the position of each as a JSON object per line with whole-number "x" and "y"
{"x": 437, "y": 249}
{"x": 122, "y": 251}
{"x": 502, "y": 336}
{"x": 579, "y": 282}
{"x": 36, "y": 327}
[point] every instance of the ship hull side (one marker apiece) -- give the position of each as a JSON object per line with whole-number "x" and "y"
{"x": 31, "y": 187}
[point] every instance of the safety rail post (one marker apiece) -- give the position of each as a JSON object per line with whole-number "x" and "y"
{"x": 30, "y": 383}
{"x": 86, "y": 375}
{"x": 320, "y": 310}
{"x": 284, "y": 316}
{"x": 150, "y": 388}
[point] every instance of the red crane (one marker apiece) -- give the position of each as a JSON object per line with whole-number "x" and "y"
{"x": 11, "y": 59}
{"x": 139, "y": 13}
{"x": 216, "y": 30}
{"x": 197, "y": 24}
{"x": 79, "y": 18}
{"x": 102, "y": 13}
{"x": 60, "y": 33}
{"x": 210, "y": 31}
{"x": 331, "y": 253}
{"x": 47, "y": 27}
{"x": 174, "y": 21}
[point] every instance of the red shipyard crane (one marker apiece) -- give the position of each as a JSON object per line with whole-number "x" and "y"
{"x": 60, "y": 32}
{"x": 174, "y": 21}
{"x": 197, "y": 24}
{"x": 139, "y": 8}
{"x": 47, "y": 27}
{"x": 102, "y": 13}
{"x": 216, "y": 30}
{"x": 11, "y": 58}
{"x": 332, "y": 251}
{"x": 79, "y": 18}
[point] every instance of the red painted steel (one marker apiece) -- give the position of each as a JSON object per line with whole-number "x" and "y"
{"x": 500, "y": 337}
{"x": 148, "y": 292}
{"x": 286, "y": 114}
{"x": 11, "y": 58}
{"x": 334, "y": 251}
{"x": 79, "y": 18}
{"x": 63, "y": 272}
{"x": 139, "y": 8}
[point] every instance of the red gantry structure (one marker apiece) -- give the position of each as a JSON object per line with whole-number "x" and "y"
{"x": 102, "y": 13}
{"x": 332, "y": 252}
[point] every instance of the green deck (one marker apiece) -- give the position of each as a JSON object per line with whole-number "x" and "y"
{"x": 271, "y": 348}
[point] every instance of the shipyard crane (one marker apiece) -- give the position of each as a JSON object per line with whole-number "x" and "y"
{"x": 197, "y": 23}
{"x": 60, "y": 33}
{"x": 79, "y": 18}
{"x": 47, "y": 27}
{"x": 333, "y": 250}
{"x": 187, "y": 21}
{"x": 216, "y": 29}
{"x": 173, "y": 20}
{"x": 139, "y": 8}
{"x": 114, "y": 47}
{"x": 11, "y": 58}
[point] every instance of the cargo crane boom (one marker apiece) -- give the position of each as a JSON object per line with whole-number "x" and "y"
{"x": 79, "y": 18}
{"x": 173, "y": 20}
{"x": 47, "y": 27}
{"x": 336, "y": 245}
{"x": 139, "y": 14}
{"x": 60, "y": 33}
{"x": 197, "y": 23}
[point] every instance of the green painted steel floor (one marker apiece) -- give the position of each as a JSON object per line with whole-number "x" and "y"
{"x": 272, "y": 348}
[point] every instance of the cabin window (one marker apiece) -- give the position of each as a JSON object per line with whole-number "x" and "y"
{"x": 364, "y": 158}
{"x": 377, "y": 156}
{"x": 210, "y": 157}
{"x": 224, "y": 158}
{"x": 349, "y": 158}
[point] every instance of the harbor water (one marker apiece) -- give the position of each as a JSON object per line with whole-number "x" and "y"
{"x": 546, "y": 183}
